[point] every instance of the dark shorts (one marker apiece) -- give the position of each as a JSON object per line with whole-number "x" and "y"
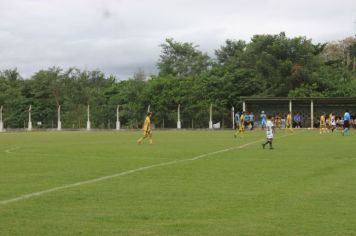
{"x": 346, "y": 124}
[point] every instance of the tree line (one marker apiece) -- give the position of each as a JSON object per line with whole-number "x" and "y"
{"x": 267, "y": 65}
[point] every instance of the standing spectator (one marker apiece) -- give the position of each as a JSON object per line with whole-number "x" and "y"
{"x": 338, "y": 122}
{"x": 247, "y": 119}
{"x": 252, "y": 120}
{"x": 297, "y": 121}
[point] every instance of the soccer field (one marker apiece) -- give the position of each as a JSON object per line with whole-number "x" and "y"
{"x": 186, "y": 183}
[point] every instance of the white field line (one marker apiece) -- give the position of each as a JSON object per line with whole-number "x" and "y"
{"x": 31, "y": 195}
{"x": 10, "y": 150}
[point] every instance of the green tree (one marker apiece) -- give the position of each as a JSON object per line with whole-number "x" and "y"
{"x": 12, "y": 98}
{"x": 182, "y": 59}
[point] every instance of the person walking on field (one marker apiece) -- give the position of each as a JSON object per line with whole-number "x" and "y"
{"x": 263, "y": 118}
{"x": 269, "y": 133}
{"x": 289, "y": 124}
{"x": 347, "y": 118}
{"x": 237, "y": 120}
{"x": 241, "y": 125}
{"x": 333, "y": 122}
{"x": 322, "y": 125}
{"x": 146, "y": 129}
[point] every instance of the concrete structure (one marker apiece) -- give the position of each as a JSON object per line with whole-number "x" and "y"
{"x": 59, "y": 123}
{"x": 29, "y": 127}
{"x": 233, "y": 117}
{"x": 88, "y": 121}
{"x": 1, "y": 123}
{"x": 117, "y": 117}
{"x": 179, "y": 125}
{"x": 211, "y": 117}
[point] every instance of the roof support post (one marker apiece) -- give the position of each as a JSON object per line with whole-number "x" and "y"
{"x": 311, "y": 113}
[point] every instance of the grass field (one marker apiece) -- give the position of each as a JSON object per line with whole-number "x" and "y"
{"x": 186, "y": 183}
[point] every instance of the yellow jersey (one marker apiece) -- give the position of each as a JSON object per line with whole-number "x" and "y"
{"x": 289, "y": 119}
{"x": 147, "y": 124}
{"x": 242, "y": 119}
{"x": 322, "y": 120}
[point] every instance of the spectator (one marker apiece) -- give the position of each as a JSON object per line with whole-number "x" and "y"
{"x": 297, "y": 119}
{"x": 247, "y": 120}
{"x": 252, "y": 120}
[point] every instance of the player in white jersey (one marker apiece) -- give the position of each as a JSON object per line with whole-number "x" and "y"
{"x": 333, "y": 122}
{"x": 269, "y": 132}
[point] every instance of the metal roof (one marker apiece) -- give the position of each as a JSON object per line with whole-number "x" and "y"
{"x": 315, "y": 99}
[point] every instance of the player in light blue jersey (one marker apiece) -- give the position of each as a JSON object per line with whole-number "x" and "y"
{"x": 246, "y": 119}
{"x": 347, "y": 118}
{"x": 237, "y": 119}
{"x": 263, "y": 119}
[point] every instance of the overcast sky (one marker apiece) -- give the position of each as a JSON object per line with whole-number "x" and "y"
{"x": 121, "y": 36}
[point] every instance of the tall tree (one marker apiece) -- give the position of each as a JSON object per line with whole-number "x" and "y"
{"x": 182, "y": 59}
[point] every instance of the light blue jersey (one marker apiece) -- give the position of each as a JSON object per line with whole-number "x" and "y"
{"x": 247, "y": 118}
{"x": 263, "y": 120}
{"x": 347, "y": 116}
{"x": 237, "y": 118}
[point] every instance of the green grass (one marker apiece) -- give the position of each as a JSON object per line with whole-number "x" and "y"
{"x": 305, "y": 186}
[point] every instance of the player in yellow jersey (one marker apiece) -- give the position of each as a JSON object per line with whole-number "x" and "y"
{"x": 278, "y": 120}
{"x": 241, "y": 124}
{"x": 329, "y": 125}
{"x": 146, "y": 129}
{"x": 322, "y": 123}
{"x": 289, "y": 121}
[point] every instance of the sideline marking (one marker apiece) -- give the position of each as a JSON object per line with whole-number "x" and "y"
{"x": 31, "y": 195}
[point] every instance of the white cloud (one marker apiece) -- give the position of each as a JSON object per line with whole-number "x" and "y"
{"x": 121, "y": 36}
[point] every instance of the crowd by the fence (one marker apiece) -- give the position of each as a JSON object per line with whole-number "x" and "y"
{"x": 250, "y": 121}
